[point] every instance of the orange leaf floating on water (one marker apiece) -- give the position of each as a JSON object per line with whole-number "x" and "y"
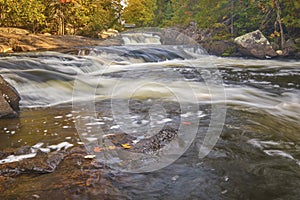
{"x": 126, "y": 146}
{"x": 97, "y": 149}
{"x": 187, "y": 123}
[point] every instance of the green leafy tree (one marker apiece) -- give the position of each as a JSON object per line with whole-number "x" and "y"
{"x": 291, "y": 16}
{"x": 164, "y": 13}
{"x": 22, "y": 13}
{"x": 140, "y": 12}
{"x": 33, "y": 14}
{"x": 276, "y": 18}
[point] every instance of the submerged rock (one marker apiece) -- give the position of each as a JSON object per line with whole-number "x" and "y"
{"x": 42, "y": 163}
{"x": 9, "y": 100}
{"x": 27, "y": 160}
{"x": 255, "y": 44}
{"x": 146, "y": 145}
{"x": 156, "y": 142}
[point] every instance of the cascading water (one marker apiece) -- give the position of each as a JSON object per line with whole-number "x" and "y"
{"x": 141, "y": 39}
{"x": 46, "y": 79}
{"x": 259, "y": 144}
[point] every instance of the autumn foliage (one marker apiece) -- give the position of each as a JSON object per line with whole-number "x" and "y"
{"x": 87, "y": 17}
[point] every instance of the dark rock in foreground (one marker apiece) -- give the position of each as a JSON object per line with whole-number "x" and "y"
{"x": 9, "y": 100}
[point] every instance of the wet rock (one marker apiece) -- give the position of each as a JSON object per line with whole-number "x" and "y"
{"x": 52, "y": 161}
{"x": 122, "y": 138}
{"x": 279, "y": 52}
{"x": 9, "y": 100}
{"x": 12, "y": 39}
{"x": 24, "y": 150}
{"x": 297, "y": 41}
{"x": 206, "y": 38}
{"x": 5, "y": 49}
{"x": 255, "y": 44}
{"x": 275, "y": 46}
{"x": 193, "y": 32}
{"x": 14, "y": 30}
{"x": 75, "y": 178}
{"x": 4, "y": 154}
{"x": 290, "y": 47}
{"x": 147, "y": 145}
{"x": 42, "y": 163}
{"x": 156, "y": 142}
{"x": 23, "y": 48}
{"x": 175, "y": 37}
{"x": 220, "y": 48}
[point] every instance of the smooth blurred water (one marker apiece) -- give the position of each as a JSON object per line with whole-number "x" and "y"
{"x": 256, "y": 157}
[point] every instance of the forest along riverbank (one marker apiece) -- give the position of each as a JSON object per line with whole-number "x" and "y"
{"x": 252, "y": 45}
{"x": 42, "y": 154}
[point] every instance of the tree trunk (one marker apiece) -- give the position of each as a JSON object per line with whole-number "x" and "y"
{"x": 278, "y": 19}
{"x": 232, "y": 16}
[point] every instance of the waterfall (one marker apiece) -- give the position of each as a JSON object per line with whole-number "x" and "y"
{"x": 141, "y": 39}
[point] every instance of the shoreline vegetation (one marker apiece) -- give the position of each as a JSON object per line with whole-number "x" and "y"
{"x": 61, "y": 24}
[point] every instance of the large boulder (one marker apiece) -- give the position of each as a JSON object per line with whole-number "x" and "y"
{"x": 9, "y": 100}
{"x": 220, "y": 48}
{"x": 108, "y": 33}
{"x": 255, "y": 44}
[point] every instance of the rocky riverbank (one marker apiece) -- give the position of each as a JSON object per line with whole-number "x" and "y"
{"x": 253, "y": 44}
{"x": 9, "y": 100}
{"x": 20, "y": 40}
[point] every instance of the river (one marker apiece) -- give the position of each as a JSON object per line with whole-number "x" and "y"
{"x": 235, "y": 120}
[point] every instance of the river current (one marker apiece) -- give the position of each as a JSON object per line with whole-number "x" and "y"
{"x": 250, "y": 107}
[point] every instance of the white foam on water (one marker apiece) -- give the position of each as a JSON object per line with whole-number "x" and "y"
{"x": 14, "y": 158}
{"x": 91, "y": 139}
{"x": 58, "y": 117}
{"x": 115, "y": 127}
{"x": 34, "y": 149}
{"x": 262, "y": 144}
{"x": 140, "y": 39}
{"x": 164, "y": 121}
{"x": 185, "y": 115}
{"x": 266, "y": 147}
{"x": 94, "y": 123}
{"x": 62, "y": 145}
{"x": 273, "y": 152}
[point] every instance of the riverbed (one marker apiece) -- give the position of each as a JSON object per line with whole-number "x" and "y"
{"x": 235, "y": 123}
